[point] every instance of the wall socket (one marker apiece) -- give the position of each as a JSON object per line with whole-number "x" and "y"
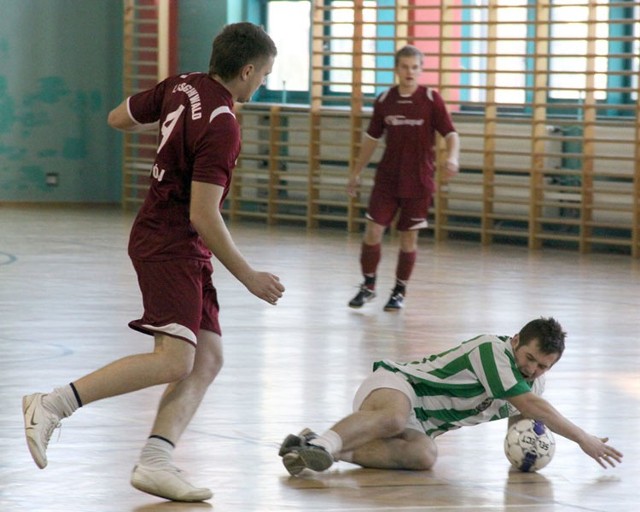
{"x": 52, "y": 179}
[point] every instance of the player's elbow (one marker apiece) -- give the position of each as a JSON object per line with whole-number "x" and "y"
{"x": 117, "y": 122}
{"x": 197, "y": 219}
{"x": 201, "y": 221}
{"x": 114, "y": 119}
{"x": 119, "y": 118}
{"x": 111, "y": 120}
{"x": 528, "y": 405}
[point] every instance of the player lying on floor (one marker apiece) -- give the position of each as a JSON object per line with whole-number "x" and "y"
{"x": 402, "y": 407}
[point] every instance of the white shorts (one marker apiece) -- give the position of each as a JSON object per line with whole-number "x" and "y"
{"x": 382, "y": 378}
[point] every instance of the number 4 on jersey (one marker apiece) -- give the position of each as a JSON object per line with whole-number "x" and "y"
{"x": 169, "y": 124}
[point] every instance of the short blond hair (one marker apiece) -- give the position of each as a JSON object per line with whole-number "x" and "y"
{"x": 408, "y": 51}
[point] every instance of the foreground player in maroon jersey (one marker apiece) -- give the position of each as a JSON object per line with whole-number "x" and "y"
{"x": 408, "y": 115}
{"x": 171, "y": 244}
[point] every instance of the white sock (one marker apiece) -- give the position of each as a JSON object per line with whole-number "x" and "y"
{"x": 157, "y": 453}
{"x": 61, "y": 401}
{"x": 330, "y": 441}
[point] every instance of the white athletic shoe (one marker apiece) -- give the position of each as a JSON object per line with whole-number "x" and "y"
{"x": 39, "y": 424}
{"x": 167, "y": 482}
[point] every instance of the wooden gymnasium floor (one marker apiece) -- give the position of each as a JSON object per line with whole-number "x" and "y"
{"x": 67, "y": 291}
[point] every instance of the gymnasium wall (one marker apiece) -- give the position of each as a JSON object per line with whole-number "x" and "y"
{"x": 60, "y": 74}
{"x": 199, "y": 21}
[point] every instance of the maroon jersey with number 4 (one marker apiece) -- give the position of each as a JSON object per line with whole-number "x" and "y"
{"x": 409, "y": 124}
{"x": 199, "y": 140}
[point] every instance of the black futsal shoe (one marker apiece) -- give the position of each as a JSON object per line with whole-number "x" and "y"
{"x": 362, "y": 297}
{"x": 395, "y": 302}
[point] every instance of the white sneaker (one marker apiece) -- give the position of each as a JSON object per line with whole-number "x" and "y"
{"x": 39, "y": 424}
{"x": 167, "y": 482}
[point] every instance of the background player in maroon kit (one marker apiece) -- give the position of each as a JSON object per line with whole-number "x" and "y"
{"x": 171, "y": 244}
{"x": 408, "y": 115}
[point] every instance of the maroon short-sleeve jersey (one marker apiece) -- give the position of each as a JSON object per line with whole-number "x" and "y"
{"x": 409, "y": 125}
{"x": 198, "y": 140}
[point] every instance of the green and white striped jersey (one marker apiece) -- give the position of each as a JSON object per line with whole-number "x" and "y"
{"x": 466, "y": 385}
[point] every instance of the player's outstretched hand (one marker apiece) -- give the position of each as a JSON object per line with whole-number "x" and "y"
{"x": 598, "y": 449}
{"x": 265, "y": 286}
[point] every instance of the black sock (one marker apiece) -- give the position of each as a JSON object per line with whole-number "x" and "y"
{"x": 370, "y": 282}
{"x": 399, "y": 289}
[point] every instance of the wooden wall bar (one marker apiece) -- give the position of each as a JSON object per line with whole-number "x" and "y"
{"x": 545, "y": 172}
{"x": 549, "y": 151}
{"x": 150, "y": 28}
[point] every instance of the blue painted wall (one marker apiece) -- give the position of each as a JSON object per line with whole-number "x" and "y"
{"x": 199, "y": 22}
{"x": 60, "y": 74}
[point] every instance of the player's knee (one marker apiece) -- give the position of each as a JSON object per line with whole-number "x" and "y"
{"x": 177, "y": 365}
{"x": 420, "y": 452}
{"x": 216, "y": 366}
{"x": 209, "y": 362}
{"x": 180, "y": 369}
{"x": 208, "y": 371}
{"x": 425, "y": 458}
{"x": 373, "y": 233}
{"x": 392, "y": 424}
{"x": 209, "y": 357}
{"x": 174, "y": 358}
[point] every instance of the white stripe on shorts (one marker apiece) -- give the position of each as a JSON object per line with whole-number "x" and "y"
{"x": 176, "y": 330}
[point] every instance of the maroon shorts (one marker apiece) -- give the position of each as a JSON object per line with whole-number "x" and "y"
{"x": 384, "y": 205}
{"x": 178, "y": 297}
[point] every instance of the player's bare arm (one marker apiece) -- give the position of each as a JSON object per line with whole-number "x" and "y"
{"x": 535, "y": 407}
{"x": 452, "y": 141}
{"x": 120, "y": 119}
{"x": 367, "y": 148}
{"x": 208, "y": 222}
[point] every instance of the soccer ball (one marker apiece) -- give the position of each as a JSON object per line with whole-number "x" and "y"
{"x": 529, "y": 445}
